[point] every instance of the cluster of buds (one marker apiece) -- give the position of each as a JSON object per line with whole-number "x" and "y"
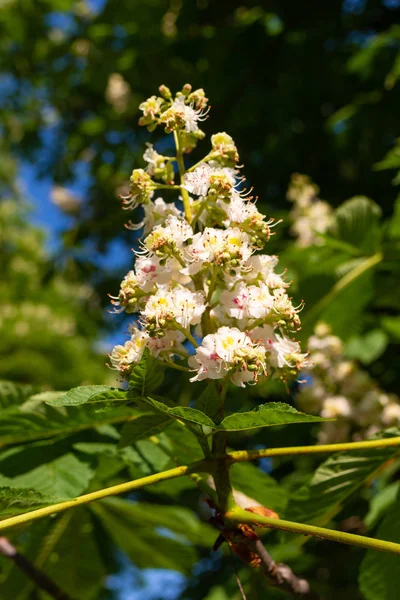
{"x": 207, "y": 301}
{"x": 310, "y": 216}
{"x": 338, "y": 388}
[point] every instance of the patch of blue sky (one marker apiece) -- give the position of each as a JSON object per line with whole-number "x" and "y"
{"x": 146, "y": 584}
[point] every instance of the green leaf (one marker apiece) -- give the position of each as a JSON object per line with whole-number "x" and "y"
{"x": 63, "y": 477}
{"x": 139, "y": 540}
{"x": 336, "y": 480}
{"x": 367, "y": 348}
{"x": 143, "y": 427}
{"x": 380, "y": 503}
{"x": 253, "y": 482}
{"x": 17, "y": 426}
{"x": 147, "y": 375}
{"x": 184, "y": 413}
{"x": 392, "y": 326}
{"x": 68, "y": 550}
{"x": 19, "y": 500}
{"x": 91, "y": 393}
{"x": 357, "y": 223}
{"x": 12, "y": 394}
{"x": 380, "y": 573}
{"x": 266, "y": 415}
{"x": 209, "y": 402}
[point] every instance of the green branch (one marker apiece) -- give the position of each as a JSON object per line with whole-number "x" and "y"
{"x": 238, "y": 516}
{"x": 243, "y": 455}
{"x": 104, "y": 493}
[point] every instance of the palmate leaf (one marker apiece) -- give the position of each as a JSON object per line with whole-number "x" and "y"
{"x": 17, "y": 426}
{"x": 67, "y": 549}
{"x": 91, "y": 394}
{"x": 63, "y": 477}
{"x": 147, "y": 375}
{"x": 336, "y": 480}
{"x": 19, "y": 500}
{"x": 253, "y": 482}
{"x": 357, "y": 223}
{"x": 145, "y": 547}
{"x": 143, "y": 427}
{"x": 209, "y": 402}
{"x": 14, "y": 394}
{"x": 266, "y": 415}
{"x": 183, "y": 413}
{"x": 380, "y": 573}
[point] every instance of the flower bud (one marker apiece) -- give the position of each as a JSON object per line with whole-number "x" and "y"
{"x": 165, "y": 92}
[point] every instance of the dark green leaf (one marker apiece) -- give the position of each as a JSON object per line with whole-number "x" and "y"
{"x": 12, "y": 394}
{"x": 185, "y": 413}
{"x": 19, "y": 500}
{"x": 367, "y": 348}
{"x": 139, "y": 540}
{"x": 357, "y": 223}
{"x": 336, "y": 480}
{"x": 392, "y": 326}
{"x": 253, "y": 482}
{"x": 23, "y": 427}
{"x": 64, "y": 477}
{"x": 380, "y": 573}
{"x": 209, "y": 402}
{"x": 266, "y": 415}
{"x": 147, "y": 375}
{"x": 91, "y": 393}
{"x": 143, "y": 427}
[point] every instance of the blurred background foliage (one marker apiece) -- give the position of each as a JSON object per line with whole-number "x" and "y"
{"x": 309, "y": 87}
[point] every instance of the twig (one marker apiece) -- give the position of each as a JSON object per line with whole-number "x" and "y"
{"x": 245, "y": 543}
{"x": 244, "y": 455}
{"x": 280, "y": 575}
{"x": 240, "y": 516}
{"x": 37, "y": 576}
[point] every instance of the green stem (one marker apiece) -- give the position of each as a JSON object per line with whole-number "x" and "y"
{"x": 243, "y": 455}
{"x": 187, "y": 334}
{"x": 202, "y": 466}
{"x": 238, "y": 515}
{"x": 165, "y": 186}
{"x": 182, "y": 171}
{"x": 198, "y": 214}
{"x": 173, "y": 365}
{"x": 221, "y": 475}
{"x": 203, "y": 160}
{"x": 346, "y": 280}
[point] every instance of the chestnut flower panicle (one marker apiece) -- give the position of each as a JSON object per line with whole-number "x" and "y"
{"x": 205, "y": 299}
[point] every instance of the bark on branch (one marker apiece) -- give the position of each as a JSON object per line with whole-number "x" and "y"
{"x": 37, "y": 576}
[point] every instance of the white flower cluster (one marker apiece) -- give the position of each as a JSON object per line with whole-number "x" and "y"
{"x": 309, "y": 215}
{"x": 338, "y": 388}
{"x": 205, "y": 300}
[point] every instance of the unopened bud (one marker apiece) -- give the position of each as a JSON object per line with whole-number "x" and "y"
{"x": 165, "y": 92}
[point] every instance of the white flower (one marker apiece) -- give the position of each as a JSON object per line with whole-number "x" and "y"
{"x": 170, "y": 237}
{"x": 154, "y": 159}
{"x": 336, "y": 406}
{"x": 263, "y": 335}
{"x": 165, "y": 347}
{"x": 198, "y": 181}
{"x": 178, "y": 305}
{"x": 286, "y": 352}
{"x": 190, "y": 115}
{"x": 230, "y": 247}
{"x": 248, "y": 301}
{"x": 229, "y": 350}
{"x": 125, "y": 357}
{"x": 391, "y": 414}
